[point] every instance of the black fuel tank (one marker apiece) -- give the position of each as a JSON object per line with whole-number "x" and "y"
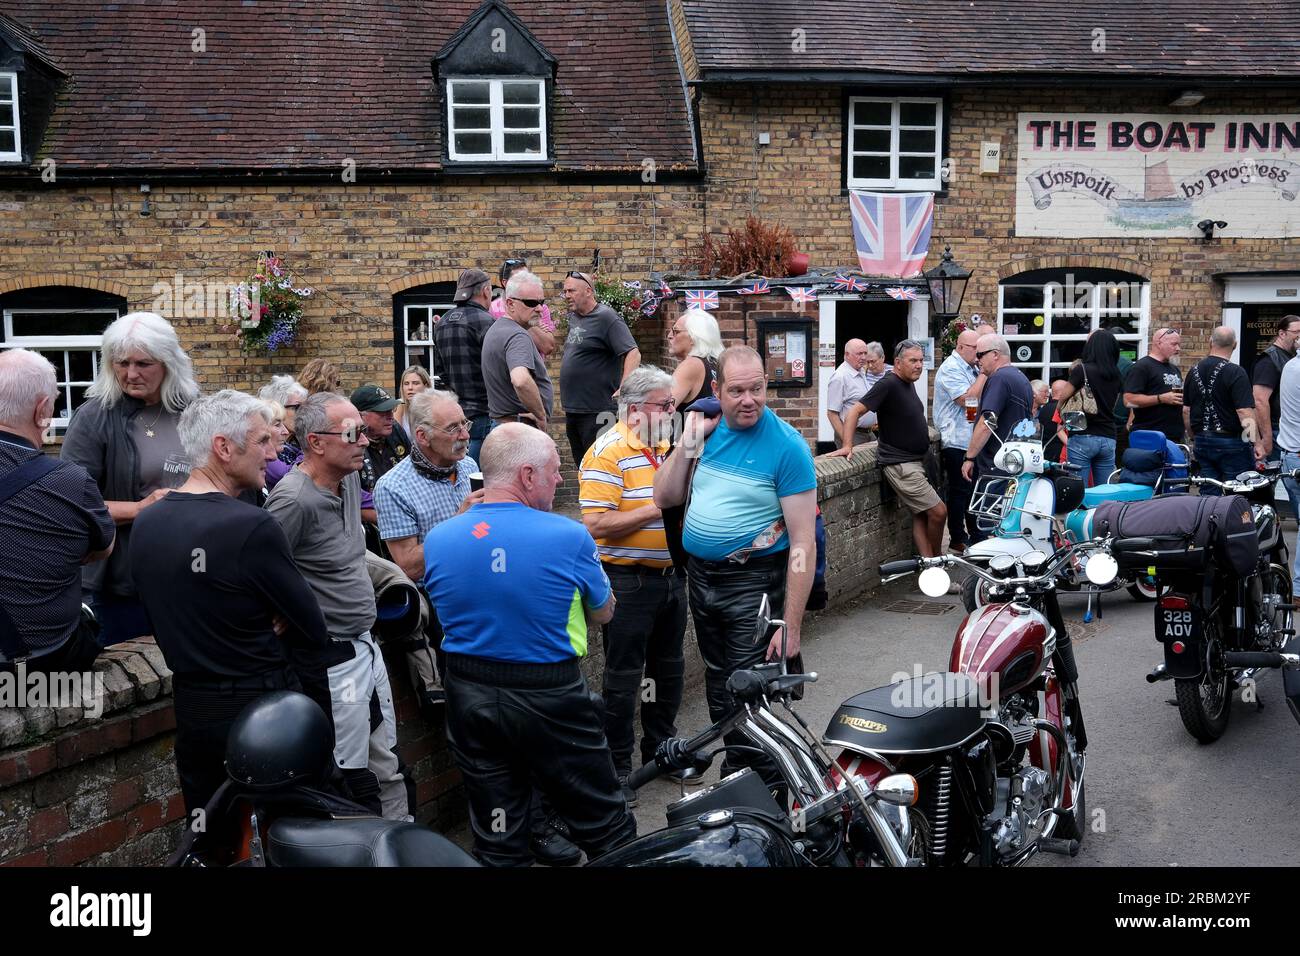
{"x": 744, "y": 841}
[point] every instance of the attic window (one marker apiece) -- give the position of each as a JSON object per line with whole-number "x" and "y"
{"x": 11, "y": 147}
{"x": 496, "y": 120}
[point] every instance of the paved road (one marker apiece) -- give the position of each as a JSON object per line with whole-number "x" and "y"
{"x": 1160, "y": 798}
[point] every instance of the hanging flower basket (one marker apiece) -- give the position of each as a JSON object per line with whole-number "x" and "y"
{"x": 268, "y": 307}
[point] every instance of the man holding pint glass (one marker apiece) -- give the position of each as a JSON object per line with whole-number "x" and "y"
{"x": 957, "y": 387}
{"x": 427, "y": 487}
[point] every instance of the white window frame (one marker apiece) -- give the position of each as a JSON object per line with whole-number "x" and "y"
{"x": 410, "y": 343}
{"x": 61, "y": 343}
{"x": 497, "y": 108}
{"x": 1041, "y": 365}
{"x": 893, "y": 182}
{"x": 11, "y": 81}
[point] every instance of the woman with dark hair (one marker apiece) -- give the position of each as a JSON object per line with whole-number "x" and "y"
{"x": 1097, "y": 377}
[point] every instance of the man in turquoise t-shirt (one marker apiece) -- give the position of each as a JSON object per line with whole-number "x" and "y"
{"x": 750, "y": 524}
{"x": 516, "y": 588}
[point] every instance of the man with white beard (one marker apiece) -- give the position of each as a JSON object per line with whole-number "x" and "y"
{"x": 616, "y": 492}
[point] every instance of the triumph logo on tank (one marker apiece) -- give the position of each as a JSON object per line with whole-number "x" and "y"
{"x": 1151, "y": 175}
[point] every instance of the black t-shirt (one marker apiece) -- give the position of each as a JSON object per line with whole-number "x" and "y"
{"x": 1214, "y": 390}
{"x": 1008, "y": 395}
{"x": 211, "y": 571}
{"x": 1149, "y": 376}
{"x": 1051, "y": 438}
{"x": 1267, "y": 373}
{"x": 1106, "y": 392}
{"x": 904, "y": 435}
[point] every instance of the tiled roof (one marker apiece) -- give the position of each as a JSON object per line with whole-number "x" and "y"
{"x": 288, "y": 85}
{"x": 983, "y": 38}
{"x": 19, "y": 36}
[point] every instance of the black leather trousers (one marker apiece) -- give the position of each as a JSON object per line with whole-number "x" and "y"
{"x": 512, "y": 724}
{"x": 724, "y": 605}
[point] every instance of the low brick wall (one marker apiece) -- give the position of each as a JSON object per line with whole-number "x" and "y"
{"x": 103, "y": 791}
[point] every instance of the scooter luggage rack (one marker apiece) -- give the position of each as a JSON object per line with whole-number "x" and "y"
{"x": 990, "y": 501}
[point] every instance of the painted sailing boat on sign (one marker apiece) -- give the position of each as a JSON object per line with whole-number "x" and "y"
{"x": 1160, "y": 206}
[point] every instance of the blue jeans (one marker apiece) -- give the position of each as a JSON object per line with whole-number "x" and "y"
{"x": 120, "y": 618}
{"x": 1291, "y": 461}
{"x": 482, "y": 424}
{"x": 1222, "y": 458}
{"x": 1095, "y": 454}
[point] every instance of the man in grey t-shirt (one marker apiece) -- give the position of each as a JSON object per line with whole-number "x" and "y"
{"x": 518, "y": 387}
{"x": 599, "y": 352}
{"x": 318, "y": 504}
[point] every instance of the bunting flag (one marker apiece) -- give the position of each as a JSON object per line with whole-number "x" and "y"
{"x": 802, "y": 294}
{"x": 665, "y": 290}
{"x": 632, "y": 285}
{"x": 649, "y": 302}
{"x": 899, "y": 292}
{"x": 847, "y": 283}
{"x": 755, "y": 288}
{"x": 701, "y": 299}
{"x": 891, "y": 231}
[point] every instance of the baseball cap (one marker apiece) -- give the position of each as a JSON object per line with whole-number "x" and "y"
{"x": 372, "y": 398}
{"x": 470, "y": 280}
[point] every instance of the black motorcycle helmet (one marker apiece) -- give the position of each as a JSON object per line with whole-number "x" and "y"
{"x": 280, "y": 739}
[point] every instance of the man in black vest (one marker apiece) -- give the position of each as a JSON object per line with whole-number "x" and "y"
{"x": 52, "y": 521}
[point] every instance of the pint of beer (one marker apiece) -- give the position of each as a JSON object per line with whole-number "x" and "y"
{"x": 972, "y": 406}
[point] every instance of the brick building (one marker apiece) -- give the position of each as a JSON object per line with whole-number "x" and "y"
{"x": 379, "y": 147}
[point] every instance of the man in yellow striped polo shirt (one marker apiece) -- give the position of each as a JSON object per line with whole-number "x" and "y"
{"x": 645, "y": 635}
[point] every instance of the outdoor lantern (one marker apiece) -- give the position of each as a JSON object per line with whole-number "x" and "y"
{"x": 947, "y": 282}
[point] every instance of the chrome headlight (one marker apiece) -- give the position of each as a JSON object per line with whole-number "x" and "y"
{"x": 1013, "y": 463}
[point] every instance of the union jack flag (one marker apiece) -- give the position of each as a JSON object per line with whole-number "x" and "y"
{"x": 649, "y": 302}
{"x": 665, "y": 290}
{"x": 802, "y": 294}
{"x": 891, "y": 231}
{"x": 755, "y": 288}
{"x": 701, "y": 299}
{"x": 844, "y": 283}
{"x": 899, "y": 292}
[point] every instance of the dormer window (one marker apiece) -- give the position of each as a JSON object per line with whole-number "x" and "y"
{"x": 496, "y": 120}
{"x": 11, "y": 147}
{"x": 496, "y": 80}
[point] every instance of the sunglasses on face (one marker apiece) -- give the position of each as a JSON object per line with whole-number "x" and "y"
{"x": 1166, "y": 332}
{"x": 532, "y": 303}
{"x": 294, "y": 407}
{"x": 979, "y": 356}
{"x": 579, "y": 275}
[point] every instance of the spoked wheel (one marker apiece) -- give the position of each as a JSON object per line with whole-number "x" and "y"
{"x": 1276, "y": 590}
{"x": 1144, "y": 588}
{"x": 920, "y": 846}
{"x": 1205, "y": 702}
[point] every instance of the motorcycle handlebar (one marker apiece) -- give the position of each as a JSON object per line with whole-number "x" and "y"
{"x": 908, "y": 566}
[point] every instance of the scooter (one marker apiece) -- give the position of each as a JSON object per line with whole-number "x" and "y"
{"x": 1037, "y": 505}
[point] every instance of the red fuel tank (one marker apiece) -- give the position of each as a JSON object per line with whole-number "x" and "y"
{"x": 1012, "y": 641}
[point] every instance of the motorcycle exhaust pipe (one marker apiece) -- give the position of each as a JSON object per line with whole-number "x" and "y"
{"x": 1257, "y": 659}
{"x": 1158, "y": 674}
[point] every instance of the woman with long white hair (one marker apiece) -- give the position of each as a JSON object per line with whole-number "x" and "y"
{"x": 695, "y": 341}
{"x": 125, "y": 435}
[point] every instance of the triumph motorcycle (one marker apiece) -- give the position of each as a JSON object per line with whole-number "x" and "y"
{"x": 997, "y": 743}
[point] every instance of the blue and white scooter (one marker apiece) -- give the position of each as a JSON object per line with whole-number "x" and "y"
{"x": 1037, "y": 505}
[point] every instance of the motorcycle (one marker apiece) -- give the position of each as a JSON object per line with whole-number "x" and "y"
{"x": 1037, "y": 505}
{"x": 1219, "y": 628}
{"x": 276, "y": 808}
{"x": 997, "y": 744}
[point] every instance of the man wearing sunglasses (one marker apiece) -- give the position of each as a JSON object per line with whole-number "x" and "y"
{"x": 318, "y": 505}
{"x": 518, "y": 386}
{"x": 598, "y": 354}
{"x": 1007, "y": 394}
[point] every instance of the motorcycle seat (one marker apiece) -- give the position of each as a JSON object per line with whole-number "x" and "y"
{"x": 920, "y": 715}
{"x": 368, "y": 841}
{"x": 1119, "y": 491}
